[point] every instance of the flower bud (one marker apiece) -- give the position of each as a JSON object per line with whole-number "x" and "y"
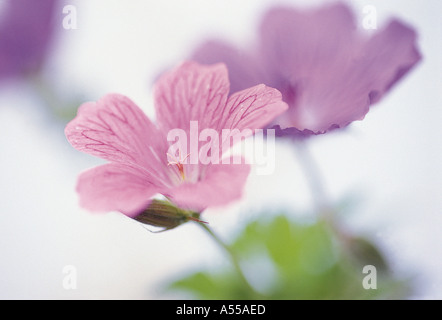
{"x": 164, "y": 214}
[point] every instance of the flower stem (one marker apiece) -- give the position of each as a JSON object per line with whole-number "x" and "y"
{"x": 233, "y": 258}
{"x": 313, "y": 176}
{"x": 321, "y": 200}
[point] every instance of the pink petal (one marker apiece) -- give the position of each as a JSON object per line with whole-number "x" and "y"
{"x": 221, "y": 184}
{"x": 327, "y": 72}
{"x": 252, "y": 108}
{"x": 244, "y": 69}
{"x": 388, "y": 56}
{"x": 115, "y": 129}
{"x": 115, "y": 187}
{"x": 296, "y": 43}
{"x": 191, "y": 92}
{"x": 348, "y": 88}
{"x": 299, "y": 48}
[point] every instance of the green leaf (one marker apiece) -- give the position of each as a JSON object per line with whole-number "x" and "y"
{"x": 204, "y": 285}
{"x": 310, "y": 261}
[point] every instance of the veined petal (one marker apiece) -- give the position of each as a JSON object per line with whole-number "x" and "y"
{"x": 115, "y": 187}
{"x": 252, "y": 108}
{"x": 191, "y": 92}
{"x": 248, "y": 110}
{"x": 115, "y": 129}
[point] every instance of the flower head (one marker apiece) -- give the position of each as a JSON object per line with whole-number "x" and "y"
{"x": 328, "y": 73}
{"x": 141, "y": 160}
{"x": 26, "y": 29}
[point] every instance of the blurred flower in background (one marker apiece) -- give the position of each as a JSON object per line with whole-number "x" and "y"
{"x": 328, "y": 72}
{"x": 29, "y": 31}
{"x": 26, "y": 34}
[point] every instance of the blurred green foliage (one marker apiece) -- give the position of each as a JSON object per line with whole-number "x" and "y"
{"x": 301, "y": 261}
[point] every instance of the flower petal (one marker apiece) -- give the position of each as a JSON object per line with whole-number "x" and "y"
{"x": 295, "y": 43}
{"x": 222, "y": 184}
{"x": 244, "y": 69}
{"x": 292, "y": 133}
{"x": 26, "y": 32}
{"x": 115, "y": 129}
{"x": 191, "y": 92}
{"x": 327, "y": 72}
{"x": 252, "y": 108}
{"x": 350, "y": 87}
{"x": 391, "y": 53}
{"x": 115, "y": 187}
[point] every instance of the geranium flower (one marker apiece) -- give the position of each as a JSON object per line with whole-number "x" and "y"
{"x": 327, "y": 72}
{"x": 140, "y": 163}
{"x": 26, "y": 31}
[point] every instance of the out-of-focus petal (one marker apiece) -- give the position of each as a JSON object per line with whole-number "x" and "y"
{"x": 347, "y": 89}
{"x": 26, "y": 31}
{"x": 387, "y": 57}
{"x": 292, "y": 132}
{"x": 296, "y": 43}
{"x": 245, "y": 70}
{"x": 328, "y": 73}
{"x": 115, "y": 187}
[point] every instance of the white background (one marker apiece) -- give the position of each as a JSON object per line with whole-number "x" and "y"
{"x": 390, "y": 162}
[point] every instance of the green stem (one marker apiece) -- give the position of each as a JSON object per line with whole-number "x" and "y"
{"x": 233, "y": 258}
{"x": 320, "y": 197}
{"x": 313, "y": 177}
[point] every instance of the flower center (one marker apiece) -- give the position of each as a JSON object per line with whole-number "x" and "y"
{"x": 178, "y": 163}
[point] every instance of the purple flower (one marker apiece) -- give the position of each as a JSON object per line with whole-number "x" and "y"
{"x": 26, "y": 29}
{"x": 328, "y": 73}
{"x": 141, "y": 163}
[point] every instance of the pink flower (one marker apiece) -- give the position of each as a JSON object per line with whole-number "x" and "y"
{"x": 327, "y": 72}
{"x": 115, "y": 129}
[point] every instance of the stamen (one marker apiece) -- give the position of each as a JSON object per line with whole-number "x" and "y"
{"x": 179, "y": 163}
